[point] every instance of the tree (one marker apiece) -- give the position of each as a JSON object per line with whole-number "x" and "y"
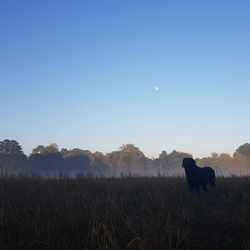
{"x": 214, "y": 155}
{"x": 240, "y": 160}
{"x": 174, "y": 159}
{"x": 224, "y": 160}
{"x": 50, "y": 149}
{"x": 161, "y": 163}
{"x": 163, "y": 155}
{"x": 99, "y": 165}
{"x": 242, "y": 155}
{"x": 244, "y": 149}
{"x": 76, "y": 160}
{"x": 76, "y": 164}
{"x": 46, "y": 162}
{"x": 12, "y": 157}
{"x": 128, "y": 160}
{"x": 46, "y": 158}
{"x": 10, "y": 147}
{"x": 38, "y": 150}
{"x": 75, "y": 151}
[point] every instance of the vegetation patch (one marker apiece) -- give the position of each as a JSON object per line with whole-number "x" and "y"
{"x": 122, "y": 213}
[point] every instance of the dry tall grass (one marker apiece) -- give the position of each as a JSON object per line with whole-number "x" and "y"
{"x": 124, "y": 213}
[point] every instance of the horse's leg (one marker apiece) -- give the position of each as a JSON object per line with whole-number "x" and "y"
{"x": 197, "y": 189}
{"x": 204, "y": 186}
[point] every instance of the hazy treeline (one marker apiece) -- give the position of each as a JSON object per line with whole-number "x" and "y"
{"x": 128, "y": 159}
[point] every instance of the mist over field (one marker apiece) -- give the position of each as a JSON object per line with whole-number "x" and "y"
{"x": 127, "y": 160}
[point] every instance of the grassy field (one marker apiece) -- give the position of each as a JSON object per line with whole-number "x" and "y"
{"x": 124, "y": 213}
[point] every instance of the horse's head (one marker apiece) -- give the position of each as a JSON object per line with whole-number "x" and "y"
{"x": 188, "y": 163}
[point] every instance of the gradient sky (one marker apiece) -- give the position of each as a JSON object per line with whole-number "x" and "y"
{"x": 83, "y": 74}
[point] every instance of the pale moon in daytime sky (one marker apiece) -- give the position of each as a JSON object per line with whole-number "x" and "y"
{"x": 157, "y": 88}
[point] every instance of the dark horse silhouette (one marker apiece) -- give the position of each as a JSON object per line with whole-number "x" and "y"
{"x": 198, "y": 177}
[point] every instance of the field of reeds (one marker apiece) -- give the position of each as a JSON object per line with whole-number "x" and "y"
{"x": 122, "y": 213}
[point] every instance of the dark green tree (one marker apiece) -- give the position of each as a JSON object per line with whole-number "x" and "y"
{"x": 129, "y": 159}
{"x": 12, "y": 157}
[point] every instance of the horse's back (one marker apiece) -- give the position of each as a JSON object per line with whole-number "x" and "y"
{"x": 209, "y": 175}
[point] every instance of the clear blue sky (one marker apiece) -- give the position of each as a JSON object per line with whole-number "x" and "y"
{"x": 83, "y": 74}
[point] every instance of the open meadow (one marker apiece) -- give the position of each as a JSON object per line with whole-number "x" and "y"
{"x": 122, "y": 213}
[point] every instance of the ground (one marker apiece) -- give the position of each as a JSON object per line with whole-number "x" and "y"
{"x": 124, "y": 213}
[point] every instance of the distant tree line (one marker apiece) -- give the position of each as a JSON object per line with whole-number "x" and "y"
{"x": 127, "y": 160}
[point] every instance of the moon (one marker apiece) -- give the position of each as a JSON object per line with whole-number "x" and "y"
{"x": 157, "y": 88}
